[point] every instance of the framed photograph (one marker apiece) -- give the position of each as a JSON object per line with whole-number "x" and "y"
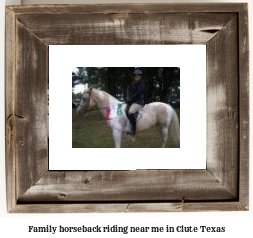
{"x": 194, "y": 60}
{"x": 104, "y": 125}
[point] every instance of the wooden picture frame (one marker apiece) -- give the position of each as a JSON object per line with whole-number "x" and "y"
{"x": 222, "y": 186}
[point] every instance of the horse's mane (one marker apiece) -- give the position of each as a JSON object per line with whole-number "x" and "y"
{"x": 109, "y": 95}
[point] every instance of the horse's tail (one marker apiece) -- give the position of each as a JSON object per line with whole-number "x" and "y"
{"x": 175, "y": 129}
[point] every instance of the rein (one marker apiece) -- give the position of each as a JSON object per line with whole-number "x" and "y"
{"x": 88, "y": 103}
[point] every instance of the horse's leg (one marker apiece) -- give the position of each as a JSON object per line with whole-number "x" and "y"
{"x": 117, "y": 137}
{"x": 164, "y": 135}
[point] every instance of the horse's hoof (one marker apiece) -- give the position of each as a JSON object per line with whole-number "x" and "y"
{"x": 132, "y": 138}
{"x": 132, "y": 134}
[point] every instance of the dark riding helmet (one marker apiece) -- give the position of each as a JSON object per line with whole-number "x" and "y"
{"x": 137, "y": 72}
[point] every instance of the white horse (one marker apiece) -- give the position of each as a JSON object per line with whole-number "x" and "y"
{"x": 113, "y": 111}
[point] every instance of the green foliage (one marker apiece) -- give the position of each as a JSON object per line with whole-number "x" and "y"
{"x": 159, "y": 81}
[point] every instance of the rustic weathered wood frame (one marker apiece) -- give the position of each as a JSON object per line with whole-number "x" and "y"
{"x": 222, "y": 186}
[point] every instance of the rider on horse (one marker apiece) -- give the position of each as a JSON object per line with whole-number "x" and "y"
{"x": 136, "y": 99}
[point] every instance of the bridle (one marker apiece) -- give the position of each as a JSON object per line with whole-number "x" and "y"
{"x": 86, "y": 109}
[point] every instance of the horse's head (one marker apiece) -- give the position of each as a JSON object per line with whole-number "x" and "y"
{"x": 87, "y": 101}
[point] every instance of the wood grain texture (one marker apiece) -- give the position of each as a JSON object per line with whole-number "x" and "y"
{"x": 129, "y": 207}
{"x": 222, "y": 107}
{"x": 244, "y": 106}
{"x": 129, "y": 8}
{"x": 122, "y": 29}
{"x": 223, "y": 186}
{"x": 9, "y": 108}
{"x": 30, "y": 108}
{"x": 186, "y": 207}
{"x": 142, "y": 185}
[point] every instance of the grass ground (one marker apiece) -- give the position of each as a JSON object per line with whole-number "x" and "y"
{"x": 91, "y": 131}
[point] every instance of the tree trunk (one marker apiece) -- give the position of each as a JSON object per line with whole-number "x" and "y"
{"x": 148, "y": 80}
{"x": 111, "y": 76}
{"x": 167, "y": 78}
